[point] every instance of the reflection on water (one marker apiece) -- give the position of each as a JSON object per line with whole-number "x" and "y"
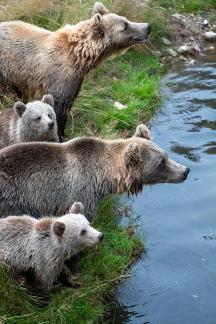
{"x": 175, "y": 282}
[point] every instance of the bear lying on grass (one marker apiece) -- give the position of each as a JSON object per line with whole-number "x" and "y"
{"x": 44, "y": 245}
{"x": 34, "y": 61}
{"x": 35, "y": 121}
{"x": 44, "y": 178}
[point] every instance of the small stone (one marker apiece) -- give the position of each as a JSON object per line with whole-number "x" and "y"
{"x": 166, "y": 41}
{"x": 157, "y": 53}
{"x": 183, "y": 58}
{"x": 210, "y": 35}
{"x": 171, "y": 52}
{"x": 205, "y": 22}
{"x": 184, "y": 49}
{"x": 177, "y": 16}
{"x": 210, "y": 48}
{"x": 119, "y": 105}
{"x": 190, "y": 62}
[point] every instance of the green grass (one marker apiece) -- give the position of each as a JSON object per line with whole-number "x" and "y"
{"x": 133, "y": 80}
{"x": 98, "y": 272}
{"x": 191, "y": 6}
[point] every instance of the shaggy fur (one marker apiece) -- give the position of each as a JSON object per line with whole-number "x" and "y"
{"x": 44, "y": 178}
{"x": 44, "y": 245}
{"x": 35, "y": 121}
{"x": 34, "y": 61}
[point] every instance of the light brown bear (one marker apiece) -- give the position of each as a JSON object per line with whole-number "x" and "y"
{"x": 44, "y": 245}
{"x": 44, "y": 178}
{"x": 34, "y": 61}
{"x": 35, "y": 121}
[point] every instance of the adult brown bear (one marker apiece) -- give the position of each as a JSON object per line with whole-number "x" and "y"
{"x": 45, "y": 178}
{"x": 35, "y": 61}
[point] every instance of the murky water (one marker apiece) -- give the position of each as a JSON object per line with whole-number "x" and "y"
{"x": 175, "y": 281}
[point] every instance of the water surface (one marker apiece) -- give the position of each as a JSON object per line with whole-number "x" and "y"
{"x": 175, "y": 281}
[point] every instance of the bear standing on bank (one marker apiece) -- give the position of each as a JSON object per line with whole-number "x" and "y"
{"x": 34, "y": 61}
{"x": 44, "y": 245}
{"x": 35, "y": 121}
{"x": 44, "y": 178}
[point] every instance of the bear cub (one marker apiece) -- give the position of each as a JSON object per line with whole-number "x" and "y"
{"x": 44, "y": 245}
{"x": 35, "y": 121}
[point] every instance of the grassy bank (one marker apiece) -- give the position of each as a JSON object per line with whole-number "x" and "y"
{"x": 133, "y": 80}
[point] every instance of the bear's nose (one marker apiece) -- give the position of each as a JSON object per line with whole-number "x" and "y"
{"x": 101, "y": 237}
{"x": 51, "y": 125}
{"x": 148, "y": 29}
{"x": 186, "y": 172}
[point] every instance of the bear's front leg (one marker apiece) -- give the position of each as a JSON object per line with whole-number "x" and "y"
{"x": 64, "y": 95}
{"x": 68, "y": 278}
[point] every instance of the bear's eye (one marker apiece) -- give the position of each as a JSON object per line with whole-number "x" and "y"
{"x": 83, "y": 232}
{"x": 38, "y": 118}
{"x": 163, "y": 161}
{"x": 49, "y": 116}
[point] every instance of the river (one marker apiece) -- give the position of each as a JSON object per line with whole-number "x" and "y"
{"x": 174, "y": 282}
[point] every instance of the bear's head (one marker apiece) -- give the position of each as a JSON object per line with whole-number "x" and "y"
{"x": 75, "y": 230}
{"x": 37, "y": 119}
{"x": 118, "y": 31}
{"x": 146, "y": 163}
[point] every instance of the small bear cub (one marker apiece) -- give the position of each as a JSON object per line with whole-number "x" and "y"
{"x": 35, "y": 121}
{"x": 43, "y": 245}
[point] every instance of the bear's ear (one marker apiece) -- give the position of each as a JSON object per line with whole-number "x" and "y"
{"x": 131, "y": 155}
{"x": 99, "y": 8}
{"x": 48, "y": 99}
{"x": 77, "y": 208}
{"x": 19, "y": 108}
{"x": 59, "y": 228}
{"x": 142, "y": 131}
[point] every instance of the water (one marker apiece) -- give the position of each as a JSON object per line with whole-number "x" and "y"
{"x": 174, "y": 282}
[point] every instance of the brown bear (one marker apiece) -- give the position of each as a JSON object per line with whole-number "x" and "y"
{"x": 35, "y": 121}
{"x": 44, "y": 178}
{"x": 34, "y": 61}
{"x": 44, "y": 245}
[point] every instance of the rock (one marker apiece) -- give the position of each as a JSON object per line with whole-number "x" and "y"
{"x": 157, "y": 53}
{"x": 184, "y": 49}
{"x": 210, "y": 48}
{"x": 205, "y": 23}
{"x": 210, "y": 35}
{"x": 177, "y": 15}
{"x": 171, "y": 52}
{"x": 190, "y": 62}
{"x": 183, "y": 58}
{"x": 119, "y": 105}
{"x": 166, "y": 41}
{"x": 189, "y": 49}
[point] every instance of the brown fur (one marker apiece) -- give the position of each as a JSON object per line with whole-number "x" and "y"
{"x": 21, "y": 124}
{"x": 43, "y": 245}
{"x": 34, "y": 61}
{"x": 43, "y": 178}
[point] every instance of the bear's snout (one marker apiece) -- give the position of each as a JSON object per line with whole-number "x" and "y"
{"x": 51, "y": 125}
{"x": 186, "y": 173}
{"x": 101, "y": 237}
{"x": 148, "y": 29}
